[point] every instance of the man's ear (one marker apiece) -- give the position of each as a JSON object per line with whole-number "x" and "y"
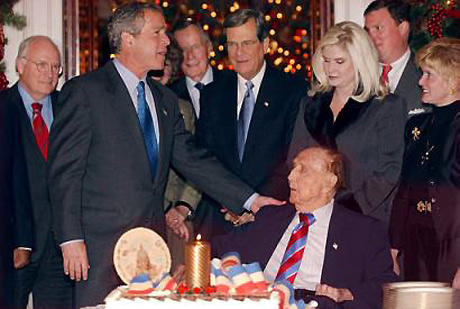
{"x": 404, "y": 28}
{"x": 266, "y": 41}
{"x": 126, "y": 39}
{"x": 20, "y": 65}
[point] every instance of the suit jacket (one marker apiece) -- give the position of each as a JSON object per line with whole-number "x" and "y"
{"x": 409, "y": 89}
{"x": 180, "y": 86}
{"x": 370, "y": 136}
{"x": 16, "y": 224}
{"x": 36, "y": 167}
{"x": 432, "y": 177}
{"x": 100, "y": 181}
{"x": 361, "y": 262}
{"x": 263, "y": 165}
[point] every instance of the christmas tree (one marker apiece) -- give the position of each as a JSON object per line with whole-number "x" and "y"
{"x": 7, "y": 17}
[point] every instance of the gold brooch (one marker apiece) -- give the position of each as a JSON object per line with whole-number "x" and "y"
{"x": 416, "y": 133}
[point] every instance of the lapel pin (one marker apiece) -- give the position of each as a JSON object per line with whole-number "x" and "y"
{"x": 335, "y": 246}
{"x": 416, "y": 133}
{"x": 266, "y": 104}
{"x": 165, "y": 112}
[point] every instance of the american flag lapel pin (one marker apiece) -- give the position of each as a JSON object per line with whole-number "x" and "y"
{"x": 266, "y": 104}
{"x": 335, "y": 246}
{"x": 165, "y": 112}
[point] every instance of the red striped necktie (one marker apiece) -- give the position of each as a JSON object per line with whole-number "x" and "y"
{"x": 40, "y": 129}
{"x": 386, "y": 70}
{"x": 294, "y": 251}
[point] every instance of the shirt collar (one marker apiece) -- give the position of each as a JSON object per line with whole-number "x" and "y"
{"x": 401, "y": 62}
{"x": 28, "y": 100}
{"x": 207, "y": 78}
{"x": 129, "y": 78}
{"x": 323, "y": 214}
{"x": 256, "y": 80}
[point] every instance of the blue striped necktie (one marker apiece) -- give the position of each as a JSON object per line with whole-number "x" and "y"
{"x": 245, "y": 118}
{"x": 148, "y": 130}
{"x": 294, "y": 251}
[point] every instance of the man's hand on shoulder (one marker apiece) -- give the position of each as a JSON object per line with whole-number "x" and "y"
{"x": 262, "y": 201}
{"x": 76, "y": 263}
{"x": 20, "y": 257}
{"x": 337, "y": 294}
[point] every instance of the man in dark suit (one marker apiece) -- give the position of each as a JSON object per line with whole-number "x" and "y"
{"x": 256, "y": 150}
{"x": 39, "y": 65}
{"x": 110, "y": 151}
{"x": 196, "y": 49}
{"x": 16, "y": 224}
{"x": 387, "y": 22}
{"x": 345, "y": 257}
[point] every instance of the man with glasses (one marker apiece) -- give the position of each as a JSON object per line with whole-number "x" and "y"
{"x": 247, "y": 118}
{"x": 40, "y": 271}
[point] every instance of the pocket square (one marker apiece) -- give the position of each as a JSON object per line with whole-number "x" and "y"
{"x": 416, "y": 111}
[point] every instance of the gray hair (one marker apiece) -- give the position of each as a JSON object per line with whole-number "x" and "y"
{"x": 24, "y": 47}
{"x": 184, "y": 24}
{"x": 241, "y": 17}
{"x": 128, "y": 18}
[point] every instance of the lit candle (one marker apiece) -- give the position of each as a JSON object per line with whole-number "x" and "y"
{"x": 197, "y": 263}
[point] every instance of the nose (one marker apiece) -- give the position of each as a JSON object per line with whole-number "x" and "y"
{"x": 422, "y": 79}
{"x": 166, "y": 39}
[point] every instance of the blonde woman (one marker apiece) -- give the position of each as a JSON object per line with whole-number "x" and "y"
{"x": 349, "y": 109}
{"x": 425, "y": 222}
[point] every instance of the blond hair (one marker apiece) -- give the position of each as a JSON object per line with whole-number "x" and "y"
{"x": 442, "y": 56}
{"x": 355, "y": 40}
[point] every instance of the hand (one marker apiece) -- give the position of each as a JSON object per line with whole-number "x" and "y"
{"x": 394, "y": 256}
{"x": 246, "y": 217}
{"x": 456, "y": 282}
{"x": 20, "y": 258}
{"x": 174, "y": 219}
{"x": 76, "y": 262}
{"x": 337, "y": 294}
{"x": 229, "y": 216}
{"x": 182, "y": 231}
{"x": 179, "y": 273}
{"x": 262, "y": 201}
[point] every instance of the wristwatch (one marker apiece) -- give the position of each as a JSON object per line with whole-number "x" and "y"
{"x": 190, "y": 213}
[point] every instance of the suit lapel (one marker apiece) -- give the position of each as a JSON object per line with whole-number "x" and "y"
{"x": 335, "y": 239}
{"x": 26, "y": 125}
{"x": 124, "y": 108}
{"x": 164, "y": 115}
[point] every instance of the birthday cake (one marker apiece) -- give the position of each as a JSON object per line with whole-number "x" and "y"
{"x": 231, "y": 284}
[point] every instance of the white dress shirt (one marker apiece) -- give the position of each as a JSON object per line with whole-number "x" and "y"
{"x": 397, "y": 69}
{"x": 194, "y": 92}
{"x": 256, "y": 81}
{"x": 311, "y": 266}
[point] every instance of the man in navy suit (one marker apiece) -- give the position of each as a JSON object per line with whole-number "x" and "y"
{"x": 16, "y": 223}
{"x": 38, "y": 64}
{"x": 258, "y": 153}
{"x": 196, "y": 49}
{"x": 346, "y": 258}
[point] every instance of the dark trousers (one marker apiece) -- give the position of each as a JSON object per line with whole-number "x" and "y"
{"x": 45, "y": 278}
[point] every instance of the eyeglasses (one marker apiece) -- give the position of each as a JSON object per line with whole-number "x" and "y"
{"x": 245, "y": 44}
{"x": 44, "y": 67}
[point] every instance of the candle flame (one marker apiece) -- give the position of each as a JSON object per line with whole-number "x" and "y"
{"x": 198, "y": 237}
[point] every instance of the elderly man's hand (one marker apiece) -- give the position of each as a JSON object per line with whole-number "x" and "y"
{"x": 394, "y": 256}
{"x": 456, "y": 282}
{"x": 20, "y": 258}
{"x": 174, "y": 219}
{"x": 75, "y": 260}
{"x": 337, "y": 294}
{"x": 238, "y": 220}
{"x": 262, "y": 201}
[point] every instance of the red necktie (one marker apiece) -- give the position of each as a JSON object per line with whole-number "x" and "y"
{"x": 40, "y": 129}
{"x": 294, "y": 251}
{"x": 386, "y": 69}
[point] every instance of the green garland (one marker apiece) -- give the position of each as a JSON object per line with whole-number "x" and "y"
{"x": 10, "y": 18}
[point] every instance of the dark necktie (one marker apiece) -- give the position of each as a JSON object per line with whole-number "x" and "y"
{"x": 199, "y": 86}
{"x": 40, "y": 129}
{"x": 148, "y": 130}
{"x": 294, "y": 251}
{"x": 245, "y": 118}
{"x": 386, "y": 70}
